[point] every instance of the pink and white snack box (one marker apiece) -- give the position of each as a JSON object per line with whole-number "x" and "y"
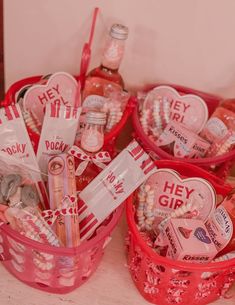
{"x": 185, "y": 142}
{"x": 112, "y": 187}
{"x": 189, "y": 241}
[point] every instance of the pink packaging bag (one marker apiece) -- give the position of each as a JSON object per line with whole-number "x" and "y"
{"x": 112, "y": 186}
{"x": 15, "y": 142}
{"x": 58, "y": 132}
{"x": 189, "y": 241}
{"x": 28, "y": 222}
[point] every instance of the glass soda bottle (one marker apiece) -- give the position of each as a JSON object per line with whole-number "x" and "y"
{"x": 221, "y": 121}
{"x": 112, "y": 55}
{"x": 92, "y": 138}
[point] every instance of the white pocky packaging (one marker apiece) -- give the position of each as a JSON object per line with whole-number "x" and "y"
{"x": 112, "y": 187}
{"x": 15, "y": 142}
{"x": 58, "y": 132}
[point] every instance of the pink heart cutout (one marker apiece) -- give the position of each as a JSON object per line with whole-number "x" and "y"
{"x": 60, "y": 87}
{"x": 170, "y": 189}
{"x": 189, "y": 109}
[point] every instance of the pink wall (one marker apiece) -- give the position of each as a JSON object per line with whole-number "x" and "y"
{"x": 189, "y": 42}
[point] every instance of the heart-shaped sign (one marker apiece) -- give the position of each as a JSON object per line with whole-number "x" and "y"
{"x": 201, "y": 235}
{"x": 61, "y": 88}
{"x": 171, "y": 192}
{"x": 190, "y": 110}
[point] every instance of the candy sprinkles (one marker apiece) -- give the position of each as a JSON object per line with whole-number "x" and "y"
{"x": 114, "y": 116}
{"x": 144, "y": 120}
{"x": 155, "y": 118}
{"x": 32, "y": 122}
{"x": 144, "y": 213}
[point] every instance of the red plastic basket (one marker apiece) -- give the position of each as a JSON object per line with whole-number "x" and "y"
{"x": 52, "y": 269}
{"x": 109, "y": 139}
{"x": 220, "y": 165}
{"x": 166, "y": 282}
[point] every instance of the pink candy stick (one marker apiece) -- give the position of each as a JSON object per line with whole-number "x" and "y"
{"x": 61, "y": 182}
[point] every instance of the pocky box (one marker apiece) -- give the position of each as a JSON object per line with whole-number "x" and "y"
{"x": 181, "y": 142}
{"x": 189, "y": 241}
{"x": 15, "y": 142}
{"x": 112, "y": 186}
{"x": 58, "y": 132}
{"x": 61, "y": 183}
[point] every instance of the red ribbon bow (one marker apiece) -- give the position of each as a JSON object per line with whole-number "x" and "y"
{"x": 67, "y": 208}
{"x": 98, "y": 159}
